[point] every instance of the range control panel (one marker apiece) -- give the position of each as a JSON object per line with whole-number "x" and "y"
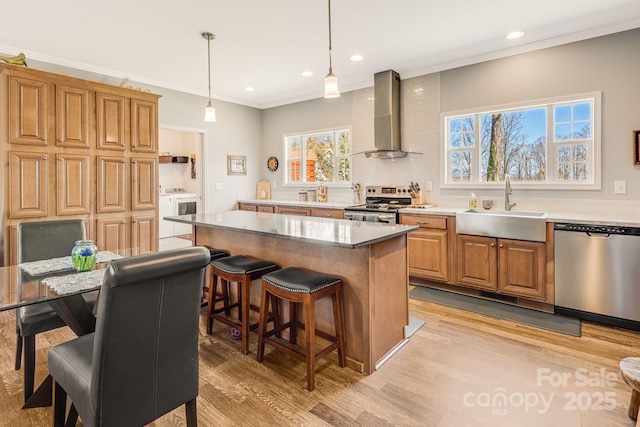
{"x": 595, "y": 228}
{"x": 389, "y": 191}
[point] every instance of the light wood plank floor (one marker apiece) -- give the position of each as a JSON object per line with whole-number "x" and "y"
{"x": 453, "y": 372}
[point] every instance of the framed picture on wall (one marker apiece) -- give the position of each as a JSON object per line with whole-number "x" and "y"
{"x": 236, "y": 165}
{"x": 636, "y": 147}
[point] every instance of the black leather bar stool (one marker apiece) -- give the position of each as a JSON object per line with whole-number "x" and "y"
{"x": 298, "y": 285}
{"x": 215, "y": 254}
{"x": 242, "y": 270}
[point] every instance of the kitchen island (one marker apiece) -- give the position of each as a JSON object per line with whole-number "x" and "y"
{"x": 370, "y": 258}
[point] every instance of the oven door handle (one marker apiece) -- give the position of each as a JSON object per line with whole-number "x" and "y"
{"x": 386, "y": 216}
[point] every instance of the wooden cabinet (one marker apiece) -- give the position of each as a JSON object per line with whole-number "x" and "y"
{"x": 73, "y": 184}
{"x": 511, "y": 267}
{"x": 143, "y": 183}
{"x": 110, "y": 184}
{"x": 144, "y": 126}
{"x": 477, "y": 262}
{"x": 110, "y": 121}
{"x": 294, "y": 210}
{"x": 28, "y": 110}
{"x": 329, "y": 213}
{"x": 143, "y": 232}
{"x": 111, "y": 233}
{"x": 266, "y": 208}
{"x": 428, "y": 247}
{"x": 28, "y": 179}
{"x": 247, "y": 207}
{"x": 73, "y": 112}
{"x": 77, "y": 149}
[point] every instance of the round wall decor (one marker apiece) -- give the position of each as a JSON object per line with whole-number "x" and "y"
{"x": 272, "y": 163}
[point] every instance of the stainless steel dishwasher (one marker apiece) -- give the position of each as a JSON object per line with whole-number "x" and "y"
{"x": 597, "y": 273}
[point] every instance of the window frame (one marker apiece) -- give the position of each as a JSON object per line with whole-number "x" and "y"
{"x": 336, "y": 158}
{"x": 594, "y": 159}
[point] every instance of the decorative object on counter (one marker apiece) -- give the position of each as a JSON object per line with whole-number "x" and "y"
{"x": 487, "y": 204}
{"x": 124, "y": 82}
{"x": 209, "y": 111}
{"x": 165, "y": 157}
{"x": 263, "y": 190}
{"x": 236, "y": 165}
{"x": 473, "y": 201}
{"x": 193, "y": 166}
{"x": 331, "y": 81}
{"x": 179, "y": 159}
{"x": 302, "y": 195}
{"x": 84, "y": 255}
{"x": 311, "y": 195}
{"x": 272, "y": 163}
{"x": 636, "y": 147}
{"x": 322, "y": 193}
{"x": 19, "y": 59}
{"x": 357, "y": 196}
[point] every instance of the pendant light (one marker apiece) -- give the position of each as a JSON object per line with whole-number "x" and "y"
{"x": 330, "y": 82}
{"x": 209, "y": 111}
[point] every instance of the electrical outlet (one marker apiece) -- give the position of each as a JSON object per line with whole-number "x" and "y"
{"x": 273, "y": 185}
{"x": 218, "y": 186}
{"x": 620, "y": 187}
{"x": 429, "y": 186}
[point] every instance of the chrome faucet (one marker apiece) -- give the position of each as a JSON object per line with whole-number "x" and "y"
{"x": 507, "y": 191}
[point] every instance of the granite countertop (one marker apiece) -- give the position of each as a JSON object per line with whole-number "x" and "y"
{"x": 327, "y": 231}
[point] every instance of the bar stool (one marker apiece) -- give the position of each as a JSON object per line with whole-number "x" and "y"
{"x": 215, "y": 254}
{"x": 242, "y": 270}
{"x": 297, "y": 285}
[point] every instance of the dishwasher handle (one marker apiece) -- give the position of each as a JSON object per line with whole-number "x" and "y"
{"x": 602, "y": 236}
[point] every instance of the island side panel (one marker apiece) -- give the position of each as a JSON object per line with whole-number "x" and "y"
{"x": 351, "y": 265}
{"x": 389, "y": 295}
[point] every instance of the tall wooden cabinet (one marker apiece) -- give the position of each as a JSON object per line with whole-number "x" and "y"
{"x": 78, "y": 149}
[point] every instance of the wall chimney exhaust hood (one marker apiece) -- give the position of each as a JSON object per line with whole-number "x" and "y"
{"x": 386, "y": 118}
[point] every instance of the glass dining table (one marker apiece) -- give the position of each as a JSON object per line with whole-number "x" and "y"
{"x": 55, "y": 282}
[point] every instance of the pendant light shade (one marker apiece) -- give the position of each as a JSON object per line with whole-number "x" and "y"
{"x": 331, "y": 81}
{"x": 209, "y": 111}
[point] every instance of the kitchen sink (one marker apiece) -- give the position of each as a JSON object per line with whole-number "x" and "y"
{"x": 517, "y": 225}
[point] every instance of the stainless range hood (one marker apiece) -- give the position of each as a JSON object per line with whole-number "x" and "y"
{"x": 386, "y": 117}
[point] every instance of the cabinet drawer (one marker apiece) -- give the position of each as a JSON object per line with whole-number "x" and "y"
{"x": 266, "y": 208}
{"x": 329, "y": 213}
{"x": 247, "y": 207}
{"x": 425, "y": 221}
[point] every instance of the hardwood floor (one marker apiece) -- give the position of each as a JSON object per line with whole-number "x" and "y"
{"x": 460, "y": 369}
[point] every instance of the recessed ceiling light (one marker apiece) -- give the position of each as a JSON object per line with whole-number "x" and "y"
{"x": 249, "y": 89}
{"x": 307, "y": 73}
{"x": 515, "y": 35}
{"x": 356, "y": 57}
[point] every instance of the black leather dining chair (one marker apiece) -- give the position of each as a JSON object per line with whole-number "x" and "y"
{"x": 38, "y": 241}
{"x": 142, "y": 360}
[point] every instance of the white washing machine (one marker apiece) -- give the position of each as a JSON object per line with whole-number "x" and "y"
{"x": 176, "y": 201}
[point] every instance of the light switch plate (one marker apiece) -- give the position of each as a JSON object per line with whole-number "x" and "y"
{"x": 620, "y": 187}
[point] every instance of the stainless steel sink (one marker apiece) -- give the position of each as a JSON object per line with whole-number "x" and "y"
{"x": 516, "y": 225}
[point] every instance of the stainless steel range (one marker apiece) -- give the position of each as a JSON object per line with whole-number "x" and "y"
{"x": 383, "y": 202}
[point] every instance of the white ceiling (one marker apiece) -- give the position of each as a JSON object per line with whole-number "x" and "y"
{"x": 267, "y": 44}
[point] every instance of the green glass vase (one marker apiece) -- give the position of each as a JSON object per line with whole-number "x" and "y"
{"x": 84, "y": 255}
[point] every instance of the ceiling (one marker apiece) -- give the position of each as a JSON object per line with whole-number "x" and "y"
{"x": 268, "y": 44}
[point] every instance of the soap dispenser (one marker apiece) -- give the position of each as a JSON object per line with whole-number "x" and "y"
{"x": 473, "y": 201}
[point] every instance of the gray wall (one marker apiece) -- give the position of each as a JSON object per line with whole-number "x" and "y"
{"x": 608, "y": 64}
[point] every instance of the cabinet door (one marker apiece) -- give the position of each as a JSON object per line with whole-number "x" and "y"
{"x": 111, "y": 234}
{"x": 477, "y": 262}
{"x": 144, "y": 232}
{"x": 110, "y": 183}
{"x": 329, "y": 213}
{"x": 110, "y": 121}
{"x": 73, "y": 106}
{"x": 428, "y": 254}
{"x": 522, "y": 268}
{"x": 28, "y": 111}
{"x": 290, "y": 210}
{"x": 144, "y": 126}
{"x": 72, "y": 184}
{"x": 143, "y": 183}
{"x": 247, "y": 207}
{"x": 28, "y": 182}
